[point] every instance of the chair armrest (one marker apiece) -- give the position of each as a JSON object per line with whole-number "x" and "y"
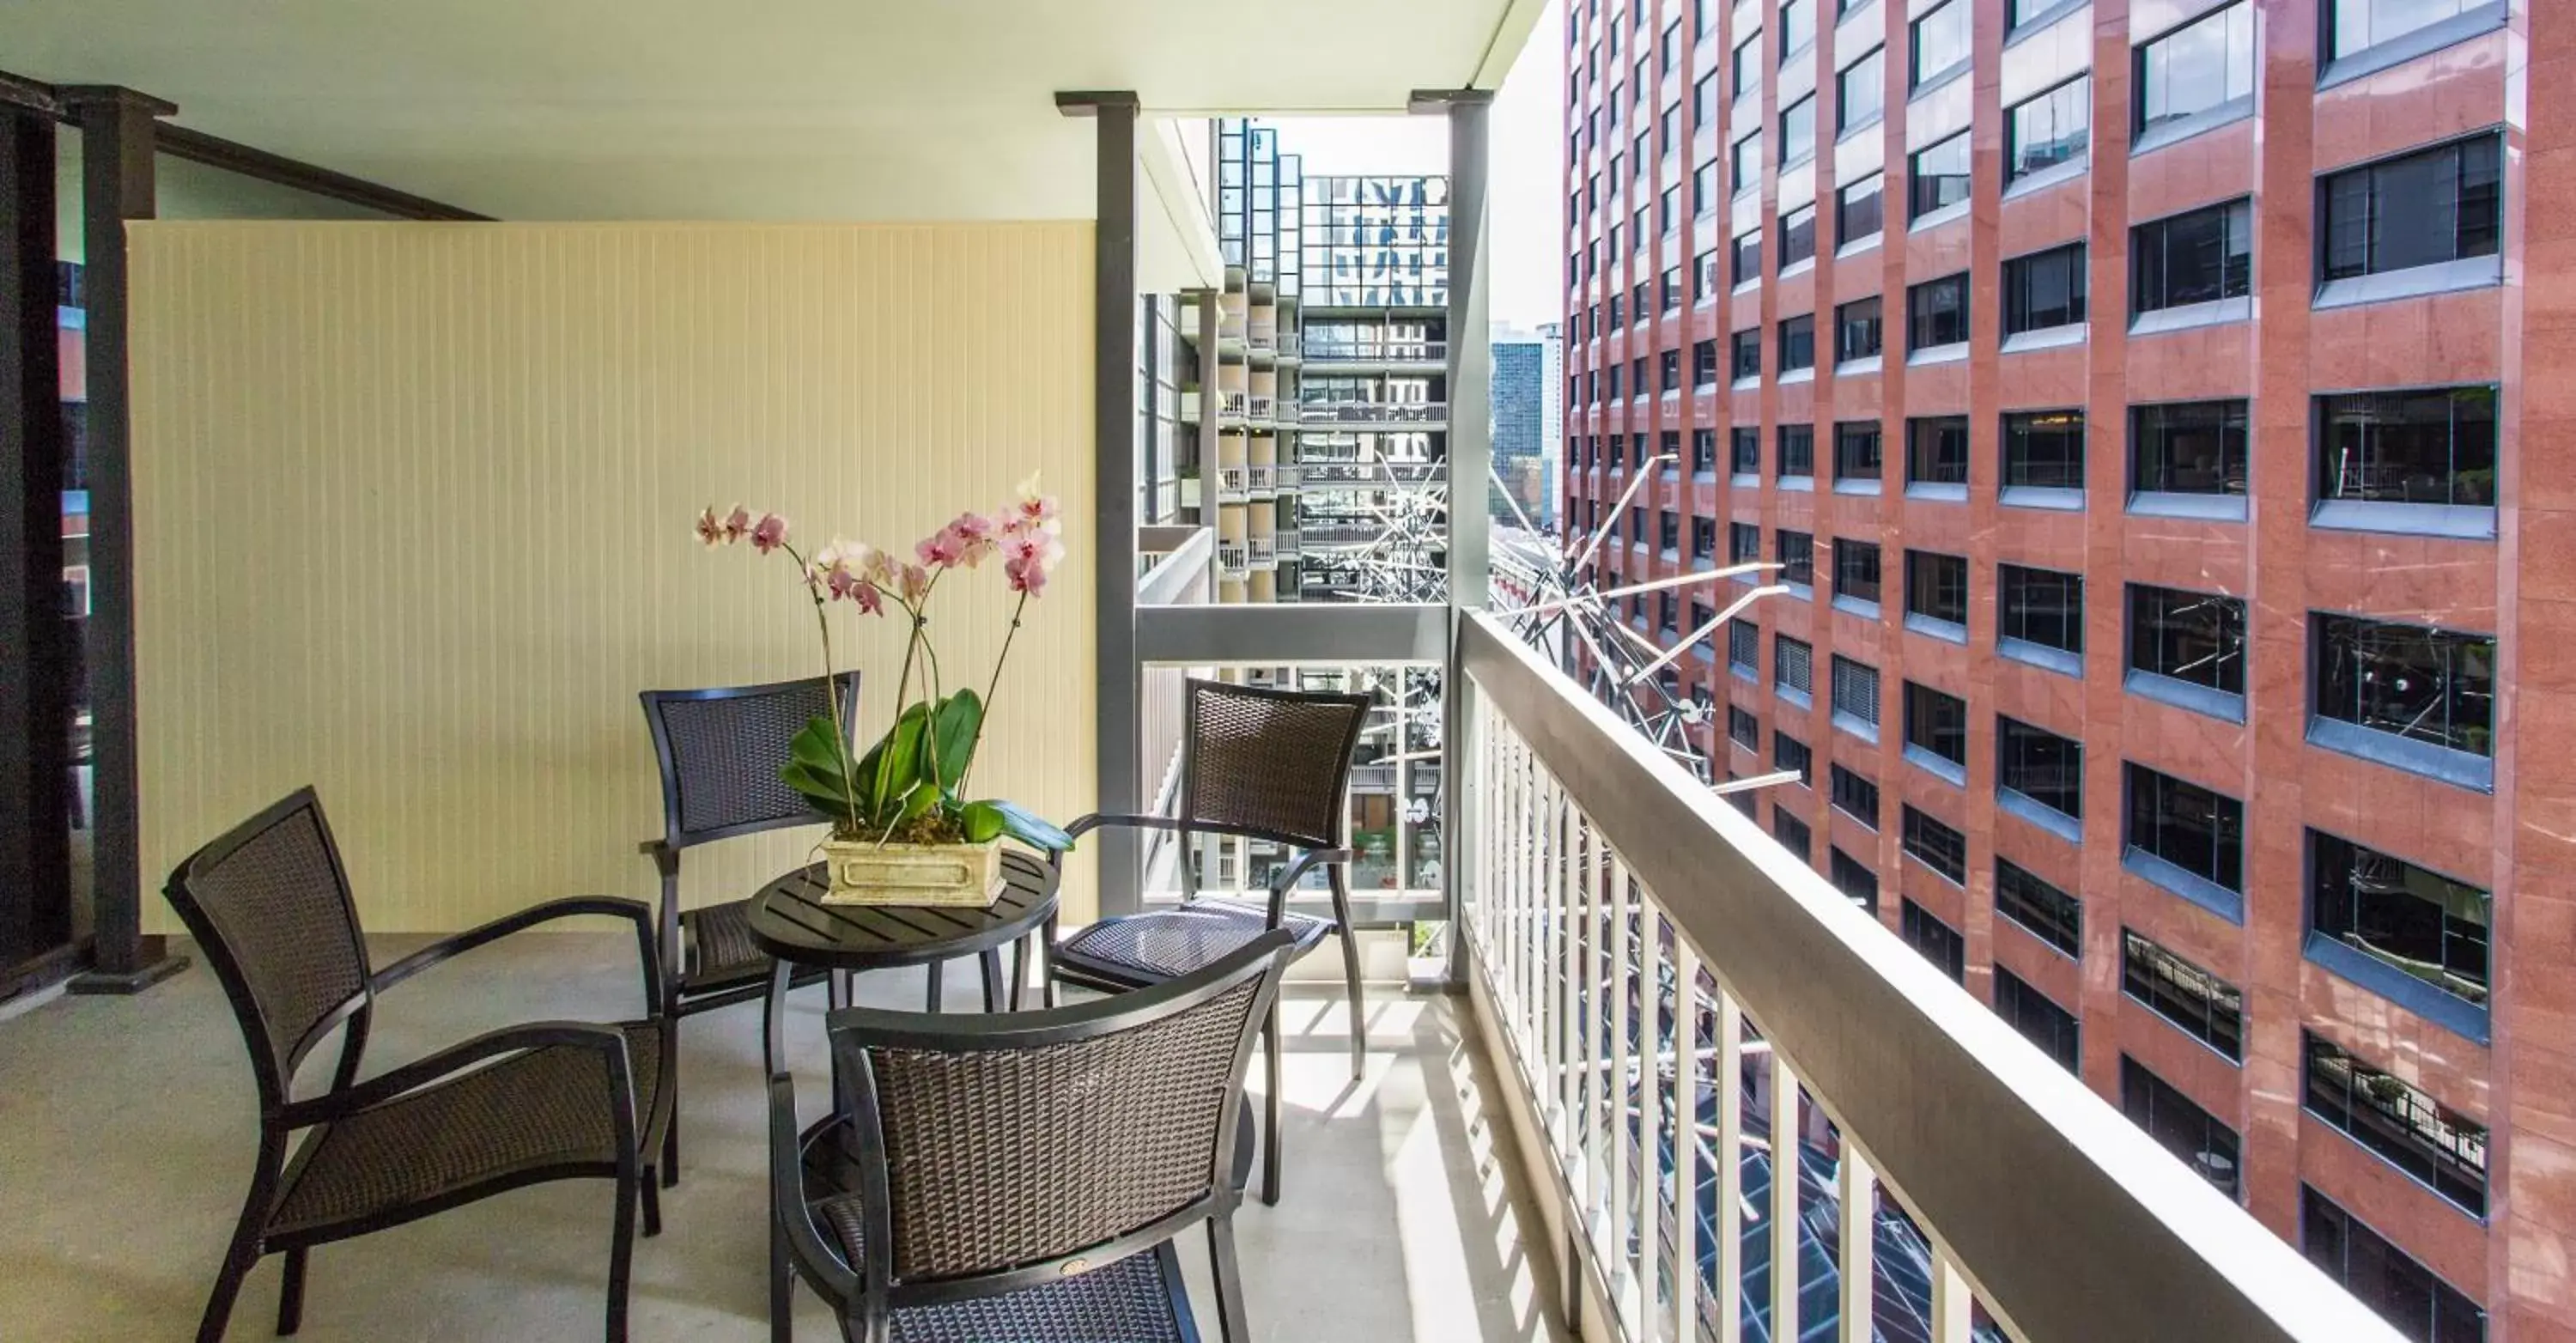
{"x": 787, "y": 1185}
{"x": 375, "y": 1091}
{"x": 1306, "y": 862}
{"x": 1100, "y": 820}
{"x": 634, "y": 911}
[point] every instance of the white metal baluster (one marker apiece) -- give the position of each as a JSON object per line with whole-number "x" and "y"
{"x": 1730, "y": 1169}
{"x": 1785, "y": 1172}
{"x": 1595, "y": 1004}
{"x": 1569, "y": 1025}
{"x": 1860, "y": 1226}
{"x": 1507, "y": 958}
{"x": 1685, "y": 1099}
{"x": 1477, "y": 892}
{"x": 1650, "y": 1166}
{"x": 1952, "y": 1301}
{"x": 1525, "y": 1009}
{"x": 1623, "y": 1056}
{"x": 1549, "y": 897}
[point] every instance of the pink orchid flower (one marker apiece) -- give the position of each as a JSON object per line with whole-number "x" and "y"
{"x": 769, "y": 533}
{"x": 737, "y": 524}
{"x": 915, "y": 583}
{"x": 1026, "y": 576}
{"x": 1032, "y": 511}
{"x": 711, "y": 529}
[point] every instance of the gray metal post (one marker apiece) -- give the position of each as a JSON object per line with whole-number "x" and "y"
{"x": 1470, "y": 375}
{"x": 1120, "y": 768}
{"x": 116, "y": 161}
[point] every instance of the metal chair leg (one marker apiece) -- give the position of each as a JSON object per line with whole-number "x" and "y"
{"x": 933, "y": 1005}
{"x": 993, "y": 992}
{"x": 239, "y": 1258}
{"x": 1351, "y": 977}
{"x": 671, "y": 1131}
{"x": 651, "y": 1191}
{"x": 621, "y": 1256}
{"x": 1231, "y": 1323}
{"x": 782, "y": 1284}
{"x": 290, "y": 1293}
{"x": 1270, "y": 1051}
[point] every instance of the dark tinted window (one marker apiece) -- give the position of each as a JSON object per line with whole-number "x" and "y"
{"x": 1743, "y": 644}
{"x": 1792, "y": 833}
{"x": 1743, "y": 728}
{"x": 1859, "y": 209}
{"x": 1939, "y": 175}
{"x": 2044, "y": 449}
{"x": 2386, "y": 908}
{"x": 1936, "y": 722}
{"x": 2420, "y": 209}
{"x": 1789, "y": 753}
{"x": 2044, "y": 289}
{"x": 2050, "y": 914}
{"x": 1941, "y": 40}
{"x": 2040, "y": 765}
{"x": 2199, "y": 257}
{"x": 2429, "y": 685}
{"x": 2414, "y": 1132}
{"x": 1748, "y": 354}
{"x": 1855, "y": 879}
{"x": 1857, "y": 797}
{"x": 2042, "y": 606}
{"x": 1856, "y": 330}
{"x": 2191, "y": 827}
{"x": 1793, "y": 664}
{"x": 1856, "y": 570}
{"x": 1936, "y": 312}
{"x": 2188, "y": 447}
{"x": 2403, "y": 1291}
{"x": 2041, "y": 1021}
{"x": 1744, "y": 259}
{"x": 1744, "y": 451}
{"x": 1703, "y": 458}
{"x": 2195, "y": 1135}
{"x": 2049, "y": 129}
{"x": 1939, "y": 942}
{"x": 2197, "y": 637}
{"x": 1860, "y": 91}
{"x": 2435, "y": 446}
{"x": 2207, "y": 1008}
{"x": 1797, "y": 555}
{"x": 1936, "y": 450}
{"x": 1941, "y": 848}
{"x": 1797, "y": 236}
{"x": 1743, "y": 542}
{"x": 1856, "y": 452}
{"x": 1936, "y": 586}
{"x": 1797, "y": 450}
{"x": 1704, "y": 363}
{"x": 1798, "y": 343}
{"x": 2199, "y": 66}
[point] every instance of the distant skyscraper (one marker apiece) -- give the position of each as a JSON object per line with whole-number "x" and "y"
{"x": 1528, "y": 417}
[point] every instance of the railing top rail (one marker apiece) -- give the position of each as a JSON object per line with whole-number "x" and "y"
{"x": 2071, "y": 1222}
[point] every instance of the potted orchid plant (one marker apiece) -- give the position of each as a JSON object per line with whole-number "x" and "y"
{"x": 904, "y": 830}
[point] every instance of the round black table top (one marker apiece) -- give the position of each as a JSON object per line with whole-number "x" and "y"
{"x": 790, "y": 921}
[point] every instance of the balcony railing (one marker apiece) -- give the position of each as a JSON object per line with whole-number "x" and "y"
{"x": 1678, "y": 998}
{"x": 1378, "y": 352}
{"x": 1372, "y": 473}
{"x": 1231, "y": 405}
{"x": 1417, "y": 413}
{"x": 1258, "y": 552}
{"x": 1287, "y": 542}
{"x": 1233, "y": 559}
{"x": 1259, "y": 478}
{"x": 1341, "y": 533}
{"x": 1263, "y": 408}
{"x": 1289, "y": 345}
{"x": 1285, "y": 475}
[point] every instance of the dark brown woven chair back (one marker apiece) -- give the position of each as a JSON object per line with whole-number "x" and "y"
{"x": 720, "y": 751}
{"x": 269, "y": 905}
{"x": 1018, "y": 1140}
{"x": 1272, "y": 761}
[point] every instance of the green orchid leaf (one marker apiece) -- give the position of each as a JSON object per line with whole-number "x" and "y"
{"x": 820, "y": 790}
{"x": 898, "y": 761}
{"x": 920, "y": 800}
{"x": 818, "y": 748}
{"x": 992, "y": 818}
{"x": 959, "y": 722}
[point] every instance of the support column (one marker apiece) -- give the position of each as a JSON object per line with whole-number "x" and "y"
{"x": 116, "y": 162}
{"x": 1470, "y": 375}
{"x": 1210, "y": 305}
{"x": 1120, "y": 767}
{"x": 35, "y": 654}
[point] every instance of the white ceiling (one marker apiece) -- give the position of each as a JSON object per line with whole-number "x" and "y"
{"x": 755, "y": 109}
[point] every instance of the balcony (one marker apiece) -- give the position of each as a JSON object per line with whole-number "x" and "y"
{"x": 1285, "y": 476}
{"x": 1262, "y": 410}
{"x": 1422, "y": 415}
{"x": 1233, "y": 560}
{"x": 1232, "y": 484}
{"x": 1288, "y": 542}
{"x": 1259, "y": 553}
{"x": 1394, "y": 356}
{"x": 1232, "y": 406}
{"x": 1261, "y": 479}
{"x": 1373, "y": 475}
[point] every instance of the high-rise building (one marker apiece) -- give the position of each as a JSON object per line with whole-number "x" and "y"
{"x": 2167, "y": 363}
{"x": 1528, "y": 421}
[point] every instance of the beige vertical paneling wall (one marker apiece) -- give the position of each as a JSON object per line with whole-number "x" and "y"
{"x": 413, "y": 504}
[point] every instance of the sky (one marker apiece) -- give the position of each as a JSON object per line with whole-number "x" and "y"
{"x": 1527, "y": 175}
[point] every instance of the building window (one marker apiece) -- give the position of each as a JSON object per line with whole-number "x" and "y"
{"x": 1936, "y": 587}
{"x": 2419, "y": 209}
{"x": 1798, "y": 132}
{"x": 1941, "y": 42}
{"x": 1936, "y": 311}
{"x": 1860, "y": 91}
{"x": 1855, "y": 879}
{"x": 2051, "y": 915}
{"x": 1744, "y": 260}
{"x": 2428, "y": 685}
{"x": 1743, "y": 639}
{"x": 2358, "y": 25}
{"x": 2432, "y": 446}
{"x": 2042, "y": 606}
{"x": 2188, "y": 826}
{"x": 1792, "y": 664}
{"x": 1672, "y": 287}
{"x": 1938, "y": 177}
{"x": 1854, "y": 795}
{"x": 1748, "y": 355}
{"x": 2199, "y": 256}
{"x": 2040, "y": 765}
{"x": 1668, "y": 373}
{"x": 1670, "y": 529}
{"x": 2403, "y": 1291}
{"x": 2207, "y": 1008}
{"x": 1936, "y": 450}
{"x": 1743, "y": 728}
{"x": 1704, "y": 448}
{"x": 2044, "y": 289}
{"x": 1704, "y": 364}
{"x": 2040, "y": 1021}
{"x": 1744, "y": 451}
{"x": 2044, "y": 450}
{"x": 2188, "y": 636}
{"x": 2204, "y": 64}
{"x": 1797, "y": 553}
{"x": 1856, "y": 692}
{"x": 1797, "y": 458}
{"x": 1798, "y": 343}
{"x": 2186, "y": 1130}
{"x": 1744, "y": 171}
{"x": 1856, "y": 330}
{"x": 1792, "y": 833}
{"x": 1858, "y": 210}
{"x": 1936, "y": 723}
{"x": 1939, "y": 942}
{"x": 2392, "y": 911}
{"x": 2048, "y": 130}
{"x": 1704, "y": 101}
{"x": 1704, "y": 276}
{"x": 1797, "y": 27}
{"x": 1789, "y": 753}
{"x": 2408, "y": 1128}
{"x": 1668, "y": 205}
{"x": 1747, "y": 65}
{"x": 1797, "y": 236}
{"x": 1856, "y": 570}
{"x": 1857, "y": 457}
{"x": 2188, "y": 447}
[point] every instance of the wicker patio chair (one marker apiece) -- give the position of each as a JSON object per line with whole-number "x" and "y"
{"x": 1022, "y": 1177}
{"x": 270, "y": 908}
{"x": 1265, "y": 764}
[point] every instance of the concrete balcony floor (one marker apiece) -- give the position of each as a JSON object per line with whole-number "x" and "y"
{"x": 127, "y": 1129}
